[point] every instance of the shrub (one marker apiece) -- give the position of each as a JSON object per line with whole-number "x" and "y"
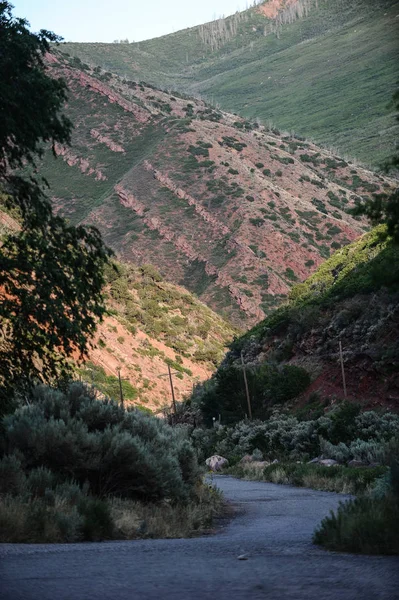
{"x": 337, "y": 479}
{"x": 97, "y": 521}
{"x": 73, "y": 435}
{"x": 284, "y": 436}
{"x": 365, "y": 525}
{"x": 289, "y": 273}
{"x": 12, "y": 477}
{"x": 340, "y": 425}
{"x": 257, "y": 222}
{"x": 40, "y": 480}
{"x": 374, "y": 450}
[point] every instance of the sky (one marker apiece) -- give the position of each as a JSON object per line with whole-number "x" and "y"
{"x": 106, "y": 21}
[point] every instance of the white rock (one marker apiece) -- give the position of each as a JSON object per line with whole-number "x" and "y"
{"x": 216, "y": 462}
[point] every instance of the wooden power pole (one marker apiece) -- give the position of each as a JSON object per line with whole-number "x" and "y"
{"x": 120, "y": 388}
{"x": 246, "y": 386}
{"x": 172, "y": 390}
{"x": 341, "y": 358}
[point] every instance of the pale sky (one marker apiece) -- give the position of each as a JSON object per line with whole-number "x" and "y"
{"x": 108, "y": 20}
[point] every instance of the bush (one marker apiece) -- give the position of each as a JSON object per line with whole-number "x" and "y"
{"x": 12, "y": 477}
{"x": 74, "y": 461}
{"x": 366, "y": 525}
{"x": 71, "y": 435}
{"x": 97, "y": 521}
{"x": 287, "y": 437}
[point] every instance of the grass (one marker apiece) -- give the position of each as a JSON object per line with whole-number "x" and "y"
{"x": 362, "y": 267}
{"x": 39, "y": 520}
{"x": 137, "y": 520}
{"x": 166, "y": 313}
{"x": 184, "y": 221}
{"x": 329, "y": 75}
{"x": 340, "y": 479}
{"x": 365, "y": 525}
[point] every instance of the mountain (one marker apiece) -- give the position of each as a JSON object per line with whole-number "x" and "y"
{"x": 233, "y": 211}
{"x": 152, "y": 324}
{"x": 352, "y": 299}
{"x": 326, "y": 69}
{"x": 149, "y": 325}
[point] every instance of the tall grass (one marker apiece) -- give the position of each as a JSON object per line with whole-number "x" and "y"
{"x": 24, "y": 519}
{"x": 339, "y": 479}
{"x": 367, "y": 525}
{"x": 364, "y": 525}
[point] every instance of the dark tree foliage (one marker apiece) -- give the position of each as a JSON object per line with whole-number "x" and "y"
{"x": 384, "y": 208}
{"x": 268, "y": 385}
{"x": 51, "y": 274}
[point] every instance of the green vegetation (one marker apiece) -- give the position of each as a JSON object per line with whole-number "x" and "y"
{"x": 366, "y": 525}
{"x": 82, "y": 469}
{"x": 51, "y": 273}
{"x": 340, "y": 479}
{"x": 143, "y": 300}
{"x": 232, "y": 142}
{"x": 107, "y": 384}
{"x": 257, "y": 222}
{"x": 224, "y": 394}
{"x": 343, "y": 433}
{"x": 383, "y": 207}
{"x": 360, "y": 268}
{"x": 289, "y": 273}
{"x": 228, "y": 69}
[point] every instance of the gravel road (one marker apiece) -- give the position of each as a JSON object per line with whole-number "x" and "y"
{"x": 273, "y": 529}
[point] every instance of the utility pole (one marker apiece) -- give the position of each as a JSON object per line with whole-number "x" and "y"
{"x": 169, "y": 373}
{"x": 120, "y": 388}
{"x": 246, "y": 386}
{"x": 342, "y": 367}
{"x": 172, "y": 390}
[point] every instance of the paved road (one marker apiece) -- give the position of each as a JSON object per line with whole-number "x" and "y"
{"x": 274, "y": 528}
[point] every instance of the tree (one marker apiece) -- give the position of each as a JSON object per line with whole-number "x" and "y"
{"x": 384, "y": 208}
{"x": 51, "y": 273}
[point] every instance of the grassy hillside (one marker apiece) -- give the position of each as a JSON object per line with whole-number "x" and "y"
{"x": 324, "y": 69}
{"x": 149, "y": 325}
{"x": 353, "y": 298}
{"x": 152, "y": 324}
{"x": 233, "y": 211}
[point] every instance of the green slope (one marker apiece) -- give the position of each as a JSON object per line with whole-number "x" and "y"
{"x": 351, "y": 301}
{"x": 328, "y": 76}
{"x": 362, "y": 268}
